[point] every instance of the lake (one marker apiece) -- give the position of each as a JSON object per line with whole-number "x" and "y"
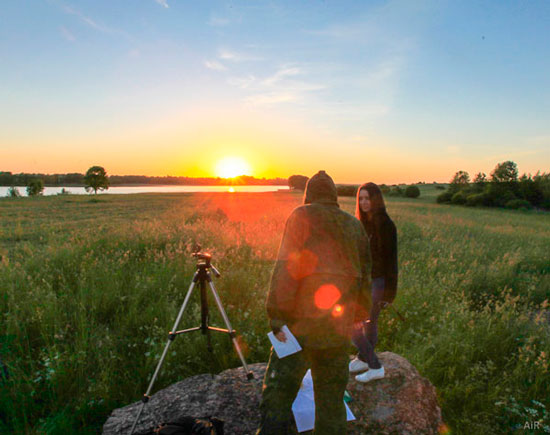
{"x": 150, "y": 189}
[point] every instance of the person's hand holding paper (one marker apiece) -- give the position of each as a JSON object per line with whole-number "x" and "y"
{"x": 281, "y": 336}
{"x": 284, "y": 343}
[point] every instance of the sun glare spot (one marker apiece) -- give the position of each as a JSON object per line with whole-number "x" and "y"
{"x": 326, "y": 296}
{"x": 232, "y": 167}
{"x": 338, "y": 310}
{"x": 232, "y": 189}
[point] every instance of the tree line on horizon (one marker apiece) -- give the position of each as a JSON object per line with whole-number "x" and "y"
{"x": 78, "y": 180}
{"x": 502, "y": 189}
{"x": 299, "y": 182}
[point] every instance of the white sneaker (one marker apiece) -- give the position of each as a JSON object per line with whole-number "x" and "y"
{"x": 356, "y": 365}
{"x": 370, "y": 375}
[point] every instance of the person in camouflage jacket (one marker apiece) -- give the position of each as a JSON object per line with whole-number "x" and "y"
{"x": 319, "y": 287}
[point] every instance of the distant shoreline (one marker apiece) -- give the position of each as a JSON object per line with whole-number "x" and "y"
{"x": 156, "y": 185}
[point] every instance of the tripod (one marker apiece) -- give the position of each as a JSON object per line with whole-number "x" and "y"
{"x": 202, "y": 276}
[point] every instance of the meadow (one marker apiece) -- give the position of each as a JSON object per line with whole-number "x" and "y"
{"x": 90, "y": 286}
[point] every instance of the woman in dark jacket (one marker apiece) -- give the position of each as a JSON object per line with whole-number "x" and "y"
{"x": 371, "y": 211}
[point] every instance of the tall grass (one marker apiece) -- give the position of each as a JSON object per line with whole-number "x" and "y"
{"x": 89, "y": 290}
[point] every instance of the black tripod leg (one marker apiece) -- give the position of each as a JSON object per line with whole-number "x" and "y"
{"x": 170, "y": 339}
{"x": 249, "y": 374}
{"x": 205, "y": 315}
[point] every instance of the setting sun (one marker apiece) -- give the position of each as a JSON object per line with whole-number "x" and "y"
{"x": 232, "y": 167}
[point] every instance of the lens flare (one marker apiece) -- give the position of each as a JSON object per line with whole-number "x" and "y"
{"x": 326, "y": 296}
{"x": 338, "y": 310}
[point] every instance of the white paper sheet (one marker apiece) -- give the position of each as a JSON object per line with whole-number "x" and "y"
{"x": 289, "y": 347}
{"x": 303, "y": 407}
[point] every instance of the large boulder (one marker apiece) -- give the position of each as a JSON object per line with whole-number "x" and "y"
{"x": 401, "y": 403}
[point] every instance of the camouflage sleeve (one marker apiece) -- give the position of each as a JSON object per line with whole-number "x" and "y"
{"x": 283, "y": 288}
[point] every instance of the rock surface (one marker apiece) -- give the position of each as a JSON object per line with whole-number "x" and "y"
{"x": 401, "y": 403}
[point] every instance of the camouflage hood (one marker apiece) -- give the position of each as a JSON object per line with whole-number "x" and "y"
{"x": 320, "y": 188}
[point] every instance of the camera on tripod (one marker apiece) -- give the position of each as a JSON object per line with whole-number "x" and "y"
{"x": 201, "y": 277}
{"x": 201, "y": 255}
{"x": 205, "y": 260}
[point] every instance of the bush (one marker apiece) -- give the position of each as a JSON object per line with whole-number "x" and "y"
{"x": 412, "y": 192}
{"x": 477, "y": 199}
{"x": 439, "y": 187}
{"x": 444, "y": 197}
{"x": 459, "y": 198}
{"x": 13, "y": 192}
{"x": 346, "y": 190}
{"x": 530, "y": 190}
{"x": 396, "y": 191}
{"x": 500, "y": 193}
{"x": 518, "y": 203}
{"x": 385, "y": 189}
{"x": 35, "y": 187}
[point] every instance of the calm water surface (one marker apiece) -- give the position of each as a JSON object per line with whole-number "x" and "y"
{"x": 150, "y": 189}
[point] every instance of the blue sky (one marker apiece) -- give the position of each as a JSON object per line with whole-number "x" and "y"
{"x": 388, "y": 91}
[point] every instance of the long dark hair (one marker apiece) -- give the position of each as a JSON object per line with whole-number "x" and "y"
{"x": 377, "y": 205}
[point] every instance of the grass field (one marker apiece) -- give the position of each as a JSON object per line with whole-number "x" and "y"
{"x": 89, "y": 287}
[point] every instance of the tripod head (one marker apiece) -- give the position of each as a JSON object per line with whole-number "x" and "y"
{"x": 204, "y": 260}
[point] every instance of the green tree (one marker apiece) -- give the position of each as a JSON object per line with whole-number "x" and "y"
{"x": 479, "y": 182}
{"x": 460, "y": 181}
{"x": 96, "y": 179}
{"x": 346, "y": 190}
{"x": 297, "y": 182}
{"x": 505, "y": 172}
{"x": 461, "y": 178}
{"x": 35, "y": 187}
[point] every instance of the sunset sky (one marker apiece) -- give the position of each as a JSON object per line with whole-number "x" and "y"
{"x": 383, "y": 91}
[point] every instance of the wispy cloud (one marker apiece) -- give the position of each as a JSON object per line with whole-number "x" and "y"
{"x": 271, "y": 98}
{"x": 528, "y": 146}
{"x": 356, "y": 33}
{"x": 67, "y": 34}
{"x": 281, "y": 74}
{"x": 85, "y": 19}
{"x": 163, "y": 3}
{"x": 383, "y": 72}
{"x": 218, "y": 22}
{"x": 278, "y": 87}
{"x": 242, "y": 82}
{"x": 214, "y": 65}
{"x": 94, "y": 24}
{"x": 543, "y": 139}
{"x": 512, "y": 155}
{"x": 388, "y": 34}
{"x": 233, "y": 56}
